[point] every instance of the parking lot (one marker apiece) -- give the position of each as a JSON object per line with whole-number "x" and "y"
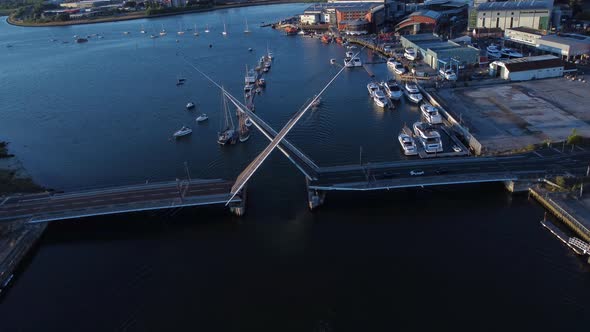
{"x": 511, "y": 116}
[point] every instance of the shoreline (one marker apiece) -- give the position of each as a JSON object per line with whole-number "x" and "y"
{"x": 143, "y": 15}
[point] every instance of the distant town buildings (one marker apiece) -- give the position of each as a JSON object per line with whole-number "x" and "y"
{"x": 351, "y": 17}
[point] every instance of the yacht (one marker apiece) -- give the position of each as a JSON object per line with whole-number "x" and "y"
{"x": 352, "y": 62}
{"x": 227, "y": 136}
{"x": 493, "y": 52}
{"x": 207, "y": 28}
{"x": 142, "y": 29}
{"x": 410, "y": 54}
{"x": 247, "y": 30}
{"x": 196, "y": 33}
{"x": 190, "y": 105}
{"x": 391, "y": 62}
{"x": 372, "y": 87}
{"x": 392, "y": 89}
{"x": 430, "y": 113}
{"x": 224, "y": 30}
{"x": 379, "y": 99}
{"x": 227, "y": 133}
{"x": 399, "y": 68}
{"x": 182, "y": 132}
{"x": 428, "y": 137}
{"x": 413, "y": 93}
{"x": 163, "y": 31}
{"x": 408, "y": 144}
{"x": 510, "y": 53}
{"x": 202, "y": 117}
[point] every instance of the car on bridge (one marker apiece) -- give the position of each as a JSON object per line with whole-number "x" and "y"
{"x": 416, "y": 173}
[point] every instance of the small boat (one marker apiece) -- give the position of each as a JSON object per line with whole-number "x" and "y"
{"x": 267, "y": 64}
{"x": 142, "y": 29}
{"x": 412, "y": 88}
{"x": 153, "y": 36}
{"x": 125, "y": 32}
{"x": 182, "y": 132}
{"x": 249, "y": 49}
{"x": 456, "y": 148}
{"x": 332, "y": 61}
{"x": 100, "y": 37}
{"x": 353, "y": 62}
{"x": 408, "y": 144}
{"x": 258, "y": 90}
{"x": 410, "y": 54}
{"x": 392, "y": 89}
{"x": 227, "y": 133}
{"x": 190, "y": 105}
{"x": 265, "y": 69}
{"x": 430, "y": 113}
{"x": 196, "y": 33}
{"x": 224, "y": 30}
{"x": 399, "y": 68}
{"x": 372, "y": 87}
{"x": 75, "y": 36}
{"x": 510, "y": 53}
{"x": 248, "y": 122}
{"x": 202, "y": 117}
{"x": 379, "y": 99}
{"x": 81, "y": 40}
{"x": 349, "y": 54}
{"x": 493, "y": 52}
{"x": 261, "y": 82}
{"x": 248, "y": 89}
{"x": 207, "y": 28}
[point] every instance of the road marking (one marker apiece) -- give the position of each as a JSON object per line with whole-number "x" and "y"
{"x": 538, "y": 154}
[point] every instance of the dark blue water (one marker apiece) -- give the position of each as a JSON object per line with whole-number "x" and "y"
{"x": 100, "y": 113}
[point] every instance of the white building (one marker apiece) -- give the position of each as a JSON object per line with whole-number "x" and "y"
{"x": 534, "y": 14}
{"x": 528, "y": 68}
{"x": 523, "y": 35}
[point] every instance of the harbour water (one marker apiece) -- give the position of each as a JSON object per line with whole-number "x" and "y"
{"x": 102, "y": 113}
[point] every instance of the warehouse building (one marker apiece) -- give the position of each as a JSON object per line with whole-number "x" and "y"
{"x": 569, "y": 46}
{"x": 529, "y": 68}
{"x": 440, "y": 54}
{"x": 534, "y": 14}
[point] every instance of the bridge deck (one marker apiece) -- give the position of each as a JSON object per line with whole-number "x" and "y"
{"x": 142, "y": 197}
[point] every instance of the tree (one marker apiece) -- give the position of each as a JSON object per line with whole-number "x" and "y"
{"x": 574, "y": 137}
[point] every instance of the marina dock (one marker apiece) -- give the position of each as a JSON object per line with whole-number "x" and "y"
{"x": 571, "y": 211}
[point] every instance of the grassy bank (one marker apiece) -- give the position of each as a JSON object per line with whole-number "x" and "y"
{"x": 10, "y": 181}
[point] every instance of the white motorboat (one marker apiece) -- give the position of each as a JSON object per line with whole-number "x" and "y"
{"x": 379, "y": 99}
{"x": 261, "y": 81}
{"x": 448, "y": 74}
{"x": 248, "y": 122}
{"x": 248, "y": 88}
{"x": 399, "y": 68}
{"x": 493, "y": 52}
{"x": 414, "y": 97}
{"x": 456, "y": 148}
{"x": 265, "y": 69}
{"x": 125, "y": 32}
{"x": 202, "y": 117}
{"x": 391, "y": 62}
{"x": 349, "y": 54}
{"x": 408, "y": 144}
{"x": 182, "y": 132}
{"x": 410, "y": 54}
{"x": 190, "y": 105}
{"x": 207, "y": 28}
{"x": 348, "y": 62}
{"x": 430, "y": 113}
{"x": 224, "y": 32}
{"x": 392, "y": 89}
{"x": 332, "y": 61}
{"x": 510, "y": 53}
{"x": 412, "y": 88}
{"x": 372, "y": 87}
{"x": 428, "y": 137}
{"x": 142, "y": 29}
{"x": 356, "y": 61}
{"x": 163, "y": 31}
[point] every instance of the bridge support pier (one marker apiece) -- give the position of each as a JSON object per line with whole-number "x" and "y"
{"x": 239, "y": 208}
{"x": 315, "y": 198}
{"x": 519, "y": 186}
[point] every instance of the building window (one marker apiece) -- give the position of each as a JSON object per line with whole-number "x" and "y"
{"x": 498, "y": 22}
{"x": 511, "y": 22}
{"x": 512, "y": 13}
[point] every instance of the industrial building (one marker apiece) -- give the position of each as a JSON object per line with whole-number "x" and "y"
{"x": 350, "y": 17}
{"x": 534, "y": 14}
{"x": 569, "y": 46}
{"x": 524, "y": 35}
{"x": 529, "y": 68}
{"x": 441, "y": 54}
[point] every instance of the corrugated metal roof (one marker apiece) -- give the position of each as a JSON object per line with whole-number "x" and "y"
{"x": 533, "y": 62}
{"x": 514, "y": 5}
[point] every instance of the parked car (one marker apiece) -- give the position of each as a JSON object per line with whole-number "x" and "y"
{"x": 416, "y": 173}
{"x": 448, "y": 74}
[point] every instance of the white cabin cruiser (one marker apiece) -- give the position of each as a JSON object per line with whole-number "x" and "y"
{"x": 392, "y": 89}
{"x": 510, "y": 53}
{"x": 410, "y": 54}
{"x": 379, "y": 99}
{"x": 493, "y": 52}
{"x": 428, "y": 137}
{"x": 372, "y": 87}
{"x": 202, "y": 117}
{"x": 408, "y": 144}
{"x": 182, "y": 132}
{"x": 430, "y": 113}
